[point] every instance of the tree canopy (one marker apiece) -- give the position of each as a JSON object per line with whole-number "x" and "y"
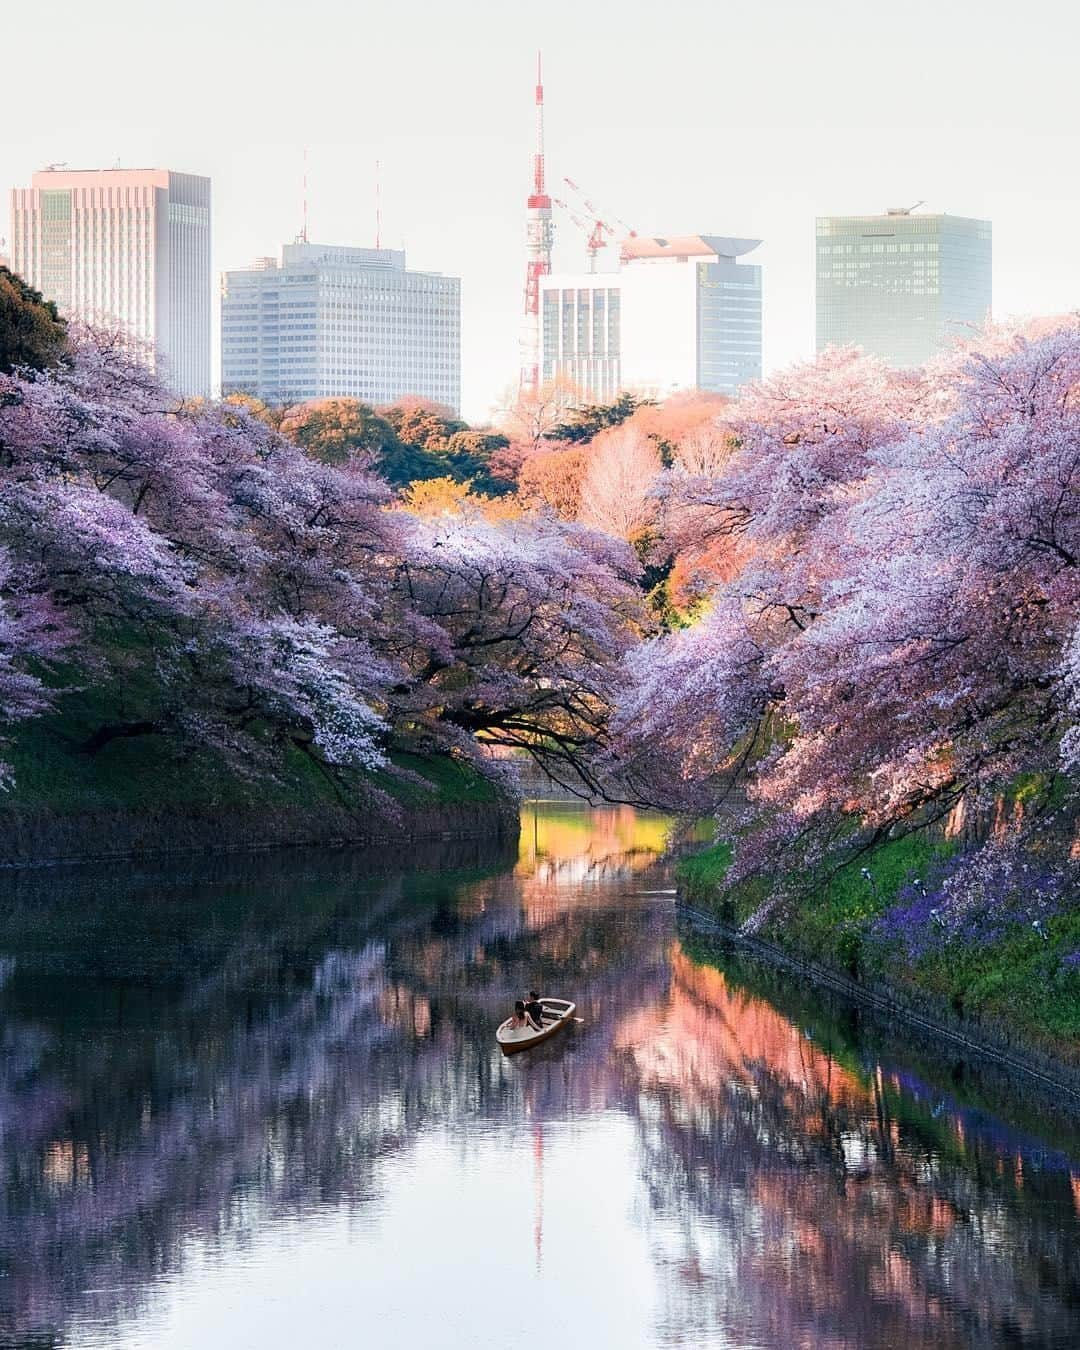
{"x": 863, "y": 588}
{"x": 896, "y": 634}
{"x": 588, "y": 420}
{"x": 241, "y": 591}
{"x": 32, "y": 333}
{"x": 404, "y": 443}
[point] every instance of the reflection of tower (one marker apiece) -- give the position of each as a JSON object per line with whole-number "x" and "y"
{"x": 538, "y": 1189}
{"x": 538, "y": 241}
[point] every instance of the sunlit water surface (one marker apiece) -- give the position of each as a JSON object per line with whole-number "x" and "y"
{"x": 257, "y": 1103}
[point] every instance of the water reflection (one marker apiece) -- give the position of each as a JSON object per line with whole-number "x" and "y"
{"x": 563, "y": 844}
{"x": 258, "y": 1102}
{"x": 848, "y": 1209}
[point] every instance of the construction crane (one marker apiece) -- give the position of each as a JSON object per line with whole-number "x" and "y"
{"x": 597, "y": 229}
{"x": 587, "y": 227}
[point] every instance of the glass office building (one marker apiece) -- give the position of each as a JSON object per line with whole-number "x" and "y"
{"x": 124, "y": 249}
{"x": 579, "y": 337}
{"x": 901, "y": 286}
{"x": 335, "y": 322}
{"x": 729, "y": 324}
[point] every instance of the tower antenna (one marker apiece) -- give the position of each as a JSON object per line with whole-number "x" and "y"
{"x": 378, "y": 205}
{"x": 538, "y": 241}
{"x": 304, "y": 228}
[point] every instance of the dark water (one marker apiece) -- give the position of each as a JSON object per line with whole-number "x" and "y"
{"x": 257, "y": 1103}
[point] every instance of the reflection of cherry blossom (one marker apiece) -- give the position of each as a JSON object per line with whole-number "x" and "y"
{"x": 341, "y": 1013}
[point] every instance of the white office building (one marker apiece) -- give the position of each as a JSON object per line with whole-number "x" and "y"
{"x": 124, "y": 249}
{"x": 680, "y": 313}
{"x": 336, "y": 322}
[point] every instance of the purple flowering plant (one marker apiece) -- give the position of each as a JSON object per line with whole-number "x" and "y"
{"x": 976, "y": 900}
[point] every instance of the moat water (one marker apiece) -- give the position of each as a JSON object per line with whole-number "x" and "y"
{"x": 257, "y": 1102}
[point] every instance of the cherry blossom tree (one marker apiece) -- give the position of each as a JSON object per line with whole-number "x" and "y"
{"x": 899, "y": 632}
{"x": 956, "y": 596}
{"x": 199, "y": 558}
{"x": 32, "y": 636}
{"x": 523, "y": 629}
{"x": 221, "y": 587}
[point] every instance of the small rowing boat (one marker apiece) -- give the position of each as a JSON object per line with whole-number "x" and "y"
{"x": 557, "y": 1012}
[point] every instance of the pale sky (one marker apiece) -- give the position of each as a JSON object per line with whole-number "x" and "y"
{"x": 677, "y": 117}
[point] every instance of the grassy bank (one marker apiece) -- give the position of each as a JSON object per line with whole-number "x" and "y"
{"x": 144, "y": 793}
{"x": 1017, "y": 988}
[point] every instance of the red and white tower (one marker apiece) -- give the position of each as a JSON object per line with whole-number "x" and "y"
{"x": 539, "y": 234}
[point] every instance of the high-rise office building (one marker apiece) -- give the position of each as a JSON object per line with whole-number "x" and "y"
{"x": 581, "y": 331}
{"x": 126, "y": 249}
{"x": 330, "y": 321}
{"x": 680, "y": 313}
{"x": 901, "y": 286}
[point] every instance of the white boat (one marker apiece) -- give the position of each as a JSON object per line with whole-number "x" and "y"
{"x": 557, "y": 1012}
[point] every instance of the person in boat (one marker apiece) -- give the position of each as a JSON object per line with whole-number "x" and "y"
{"x": 534, "y": 1008}
{"x": 520, "y": 1018}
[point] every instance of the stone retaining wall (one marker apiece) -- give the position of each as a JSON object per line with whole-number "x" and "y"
{"x": 34, "y": 837}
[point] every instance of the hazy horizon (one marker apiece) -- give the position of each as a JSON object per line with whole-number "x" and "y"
{"x": 764, "y": 120}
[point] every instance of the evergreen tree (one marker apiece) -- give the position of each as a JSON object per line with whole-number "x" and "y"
{"x": 32, "y": 333}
